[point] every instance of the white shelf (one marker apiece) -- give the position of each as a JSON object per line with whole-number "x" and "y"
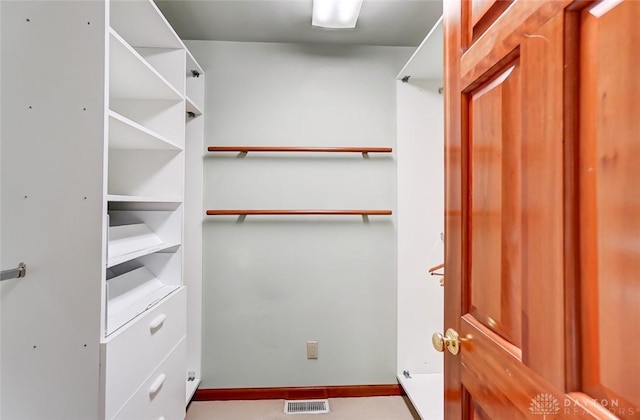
{"x": 133, "y": 202}
{"x": 127, "y": 134}
{"x": 192, "y": 387}
{"x": 129, "y": 242}
{"x": 426, "y": 392}
{"x": 192, "y": 107}
{"x": 131, "y": 76}
{"x": 131, "y": 294}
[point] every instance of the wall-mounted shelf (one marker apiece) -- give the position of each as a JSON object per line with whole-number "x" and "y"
{"x": 238, "y": 212}
{"x": 247, "y": 149}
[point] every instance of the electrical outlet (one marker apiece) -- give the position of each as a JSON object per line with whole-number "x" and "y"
{"x": 312, "y": 349}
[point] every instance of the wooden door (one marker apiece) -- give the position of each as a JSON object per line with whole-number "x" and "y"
{"x": 542, "y": 218}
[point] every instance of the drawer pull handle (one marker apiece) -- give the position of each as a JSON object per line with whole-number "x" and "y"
{"x": 157, "y": 384}
{"x": 157, "y": 322}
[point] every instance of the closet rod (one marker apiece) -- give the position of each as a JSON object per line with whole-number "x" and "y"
{"x": 247, "y": 149}
{"x": 298, "y": 212}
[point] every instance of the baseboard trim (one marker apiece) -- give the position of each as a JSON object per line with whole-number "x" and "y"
{"x": 298, "y": 393}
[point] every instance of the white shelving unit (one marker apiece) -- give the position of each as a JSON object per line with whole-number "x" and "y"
{"x": 94, "y": 103}
{"x": 420, "y": 154}
{"x": 143, "y": 163}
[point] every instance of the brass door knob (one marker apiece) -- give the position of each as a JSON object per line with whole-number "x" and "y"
{"x": 450, "y": 340}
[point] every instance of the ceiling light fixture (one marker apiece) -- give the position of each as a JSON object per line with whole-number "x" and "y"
{"x": 336, "y": 14}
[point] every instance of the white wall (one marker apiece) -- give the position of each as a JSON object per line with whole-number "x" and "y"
{"x": 420, "y": 222}
{"x": 272, "y": 283}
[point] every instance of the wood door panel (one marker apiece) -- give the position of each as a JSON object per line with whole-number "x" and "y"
{"x": 495, "y": 216}
{"x": 610, "y": 218}
{"x": 513, "y": 216}
{"x": 495, "y": 376}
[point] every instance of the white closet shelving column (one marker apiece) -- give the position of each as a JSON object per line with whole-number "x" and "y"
{"x": 420, "y": 119}
{"x": 194, "y": 213}
{"x": 144, "y": 342}
{"x": 145, "y": 162}
{"x": 93, "y": 200}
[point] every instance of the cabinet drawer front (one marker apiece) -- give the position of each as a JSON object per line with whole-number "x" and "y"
{"x": 161, "y": 396}
{"x": 131, "y": 356}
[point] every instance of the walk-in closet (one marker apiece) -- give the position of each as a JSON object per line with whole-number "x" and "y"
{"x": 215, "y": 219}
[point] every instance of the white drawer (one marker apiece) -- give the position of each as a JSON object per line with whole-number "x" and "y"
{"x": 162, "y": 395}
{"x": 133, "y": 353}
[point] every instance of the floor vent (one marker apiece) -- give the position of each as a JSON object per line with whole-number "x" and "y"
{"x": 306, "y": 407}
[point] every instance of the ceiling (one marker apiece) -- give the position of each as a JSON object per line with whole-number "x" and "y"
{"x": 381, "y": 22}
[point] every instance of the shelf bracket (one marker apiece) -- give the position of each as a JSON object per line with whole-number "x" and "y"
{"x": 14, "y": 273}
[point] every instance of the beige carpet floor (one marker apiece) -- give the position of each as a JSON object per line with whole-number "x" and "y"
{"x": 372, "y": 408}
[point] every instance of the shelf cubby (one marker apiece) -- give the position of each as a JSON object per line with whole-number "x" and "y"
{"x": 131, "y": 76}
{"x": 165, "y": 118}
{"x": 145, "y": 173}
{"x": 125, "y": 18}
{"x": 168, "y": 62}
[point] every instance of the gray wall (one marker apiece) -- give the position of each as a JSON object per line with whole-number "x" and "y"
{"x": 272, "y": 283}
